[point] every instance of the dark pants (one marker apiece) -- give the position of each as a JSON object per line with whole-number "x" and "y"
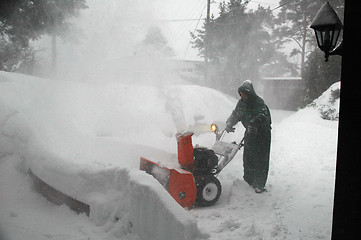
{"x": 256, "y": 158}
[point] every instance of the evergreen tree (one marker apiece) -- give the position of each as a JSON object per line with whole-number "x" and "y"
{"x": 293, "y": 24}
{"x": 25, "y": 20}
{"x": 320, "y": 75}
{"x": 237, "y": 43}
{"x": 154, "y": 43}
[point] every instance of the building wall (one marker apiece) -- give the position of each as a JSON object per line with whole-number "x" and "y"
{"x": 189, "y": 70}
{"x": 282, "y": 93}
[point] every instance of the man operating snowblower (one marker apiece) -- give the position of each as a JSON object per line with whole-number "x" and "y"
{"x": 256, "y": 118}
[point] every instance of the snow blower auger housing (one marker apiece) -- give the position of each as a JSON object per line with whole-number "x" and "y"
{"x": 195, "y": 183}
{"x": 178, "y": 182}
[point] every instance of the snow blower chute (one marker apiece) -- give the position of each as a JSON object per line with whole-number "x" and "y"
{"x": 195, "y": 181}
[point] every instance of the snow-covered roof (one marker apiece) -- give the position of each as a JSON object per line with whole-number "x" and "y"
{"x": 281, "y": 78}
{"x": 178, "y": 58}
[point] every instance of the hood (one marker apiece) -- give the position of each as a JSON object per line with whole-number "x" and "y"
{"x": 247, "y": 88}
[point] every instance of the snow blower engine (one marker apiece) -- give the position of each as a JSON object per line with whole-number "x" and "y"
{"x": 195, "y": 182}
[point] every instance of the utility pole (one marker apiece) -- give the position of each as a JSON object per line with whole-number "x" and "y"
{"x": 206, "y": 74}
{"x": 53, "y": 43}
{"x": 53, "y": 51}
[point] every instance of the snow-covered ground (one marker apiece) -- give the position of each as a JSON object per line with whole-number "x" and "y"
{"x": 78, "y": 136}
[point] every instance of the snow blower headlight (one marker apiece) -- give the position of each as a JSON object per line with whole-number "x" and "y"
{"x": 214, "y": 128}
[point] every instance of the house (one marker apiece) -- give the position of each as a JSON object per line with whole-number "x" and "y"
{"x": 190, "y": 70}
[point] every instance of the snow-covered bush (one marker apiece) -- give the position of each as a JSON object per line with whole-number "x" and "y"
{"x": 328, "y": 103}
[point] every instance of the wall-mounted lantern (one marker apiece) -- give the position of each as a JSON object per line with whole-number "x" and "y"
{"x": 327, "y": 28}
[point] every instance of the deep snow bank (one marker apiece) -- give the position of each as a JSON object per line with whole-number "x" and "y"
{"x": 303, "y": 166}
{"x": 126, "y": 200}
{"x": 155, "y": 214}
{"x": 86, "y": 139}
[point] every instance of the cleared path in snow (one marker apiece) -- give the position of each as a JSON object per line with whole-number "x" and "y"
{"x": 299, "y": 200}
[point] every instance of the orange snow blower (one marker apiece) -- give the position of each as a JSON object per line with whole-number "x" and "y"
{"x": 178, "y": 181}
{"x": 195, "y": 182}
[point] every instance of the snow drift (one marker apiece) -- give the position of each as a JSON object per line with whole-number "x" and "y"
{"x": 329, "y": 102}
{"x": 86, "y": 140}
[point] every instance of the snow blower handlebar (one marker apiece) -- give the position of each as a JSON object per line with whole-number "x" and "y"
{"x": 220, "y": 134}
{"x": 226, "y": 151}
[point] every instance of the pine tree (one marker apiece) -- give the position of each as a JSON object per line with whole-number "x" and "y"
{"x": 238, "y": 43}
{"x": 293, "y": 24}
{"x": 25, "y": 20}
{"x": 320, "y": 75}
{"x": 154, "y": 43}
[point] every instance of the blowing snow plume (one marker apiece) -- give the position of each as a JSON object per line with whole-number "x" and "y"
{"x": 115, "y": 41}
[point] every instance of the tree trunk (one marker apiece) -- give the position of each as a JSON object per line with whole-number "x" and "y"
{"x": 304, "y": 41}
{"x": 53, "y": 51}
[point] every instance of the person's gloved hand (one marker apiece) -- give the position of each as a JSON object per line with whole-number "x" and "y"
{"x": 230, "y": 129}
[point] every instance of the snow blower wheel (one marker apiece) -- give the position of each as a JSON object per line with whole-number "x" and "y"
{"x": 208, "y": 190}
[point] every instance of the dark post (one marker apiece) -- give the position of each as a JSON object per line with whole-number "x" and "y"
{"x": 347, "y": 201}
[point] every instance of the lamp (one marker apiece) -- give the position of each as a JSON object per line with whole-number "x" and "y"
{"x": 327, "y": 27}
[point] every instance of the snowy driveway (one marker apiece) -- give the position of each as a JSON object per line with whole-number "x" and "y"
{"x": 71, "y": 118}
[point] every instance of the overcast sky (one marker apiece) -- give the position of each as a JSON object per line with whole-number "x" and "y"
{"x": 112, "y": 29}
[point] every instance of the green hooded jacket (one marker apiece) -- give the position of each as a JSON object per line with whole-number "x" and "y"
{"x": 256, "y": 118}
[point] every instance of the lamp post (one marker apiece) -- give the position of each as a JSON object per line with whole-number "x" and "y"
{"x": 327, "y": 27}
